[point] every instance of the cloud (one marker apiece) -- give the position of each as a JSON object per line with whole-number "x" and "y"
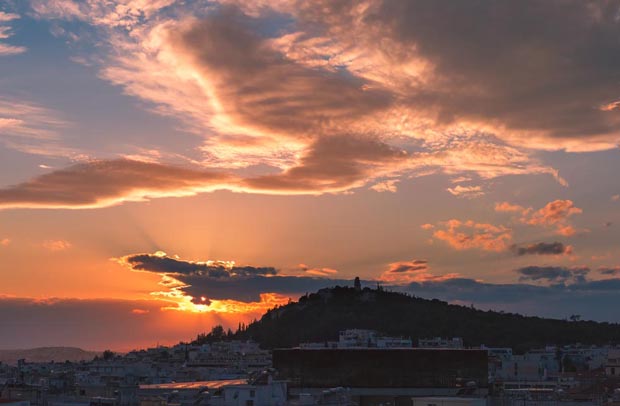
{"x": 351, "y": 112}
{"x": 106, "y": 183}
{"x": 322, "y": 272}
{"x": 56, "y": 245}
{"x": 555, "y": 214}
{"x": 30, "y": 128}
{"x": 5, "y": 242}
{"x": 245, "y": 74}
{"x": 555, "y": 274}
{"x": 5, "y": 33}
{"x": 161, "y": 263}
{"x": 593, "y": 300}
{"x": 508, "y": 207}
{"x": 416, "y": 270}
{"x": 386, "y": 186}
{"x": 212, "y": 286}
{"x": 535, "y": 86}
{"x": 609, "y": 270}
{"x": 471, "y": 235}
{"x": 334, "y": 163}
{"x": 466, "y": 191}
{"x": 542, "y": 248}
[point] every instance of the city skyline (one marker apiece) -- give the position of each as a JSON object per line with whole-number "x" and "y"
{"x": 166, "y": 166}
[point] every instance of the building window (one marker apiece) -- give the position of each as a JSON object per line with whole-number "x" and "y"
{"x": 613, "y": 371}
{"x": 249, "y": 403}
{"x": 252, "y": 393}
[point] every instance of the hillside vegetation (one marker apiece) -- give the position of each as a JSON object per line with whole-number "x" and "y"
{"x": 318, "y": 317}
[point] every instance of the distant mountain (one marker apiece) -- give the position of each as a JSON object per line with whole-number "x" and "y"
{"x": 47, "y": 354}
{"x": 319, "y": 317}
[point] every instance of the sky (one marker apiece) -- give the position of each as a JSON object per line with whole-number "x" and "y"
{"x": 166, "y": 166}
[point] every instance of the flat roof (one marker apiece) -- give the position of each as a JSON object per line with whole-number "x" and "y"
{"x": 377, "y": 349}
{"x": 196, "y": 385}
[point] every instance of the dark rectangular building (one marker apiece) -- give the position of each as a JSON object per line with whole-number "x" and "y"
{"x": 381, "y": 368}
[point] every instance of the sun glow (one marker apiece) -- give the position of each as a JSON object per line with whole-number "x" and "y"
{"x": 180, "y": 301}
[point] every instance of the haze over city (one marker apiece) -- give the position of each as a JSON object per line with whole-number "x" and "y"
{"x": 168, "y": 166}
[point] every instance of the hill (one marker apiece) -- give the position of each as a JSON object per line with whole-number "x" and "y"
{"x": 47, "y": 354}
{"x": 320, "y": 316}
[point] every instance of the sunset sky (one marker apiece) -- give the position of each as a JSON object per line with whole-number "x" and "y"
{"x": 170, "y": 165}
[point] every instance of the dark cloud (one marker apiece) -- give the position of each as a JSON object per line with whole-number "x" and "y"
{"x": 556, "y": 274}
{"x": 409, "y": 266}
{"x": 594, "y": 300}
{"x": 104, "y": 183}
{"x": 334, "y": 163}
{"x": 217, "y": 280}
{"x": 542, "y": 248}
{"x": 531, "y": 65}
{"x": 164, "y": 264}
{"x": 543, "y": 68}
{"x": 249, "y": 289}
{"x": 261, "y": 88}
{"x": 609, "y": 270}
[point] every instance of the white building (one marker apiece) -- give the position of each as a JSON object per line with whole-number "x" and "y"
{"x": 357, "y": 338}
{"x": 612, "y": 367}
{"x": 394, "y": 342}
{"x": 438, "y": 342}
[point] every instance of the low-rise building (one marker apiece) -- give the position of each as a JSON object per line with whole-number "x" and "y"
{"x": 439, "y": 342}
{"x": 612, "y": 366}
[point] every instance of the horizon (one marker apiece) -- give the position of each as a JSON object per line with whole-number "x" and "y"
{"x": 167, "y": 166}
{"x": 379, "y": 288}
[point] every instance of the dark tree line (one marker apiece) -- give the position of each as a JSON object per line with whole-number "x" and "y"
{"x": 318, "y": 317}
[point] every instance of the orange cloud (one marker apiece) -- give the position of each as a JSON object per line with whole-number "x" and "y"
{"x": 5, "y": 241}
{"x": 106, "y": 183}
{"x": 317, "y": 271}
{"x": 56, "y": 245}
{"x": 181, "y": 301}
{"x": 508, "y": 207}
{"x": 555, "y": 214}
{"x": 471, "y": 235}
{"x": 466, "y": 191}
{"x": 416, "y": 270}
{"x": 386, "y": 186}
